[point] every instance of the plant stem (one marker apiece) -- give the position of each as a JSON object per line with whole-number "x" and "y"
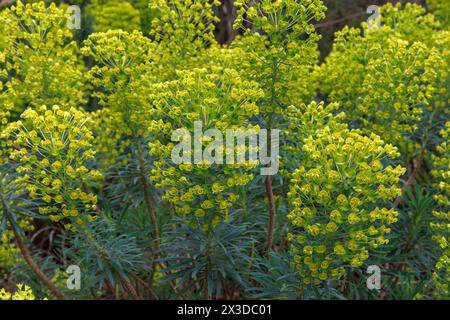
{"x": 206, "y": 285}
{"x": 148, "y": 288}
{"x": 129, "y": 287}
{"x": 33, "y": 265}
{"x": 207, "y": 264}
{"x": 150, "y": 209}
{"x": 271, "y": 226}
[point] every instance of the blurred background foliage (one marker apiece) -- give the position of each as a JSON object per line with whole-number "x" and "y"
{"x": 135, "y": 14}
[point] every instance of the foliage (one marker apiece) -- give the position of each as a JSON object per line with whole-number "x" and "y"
{"x": 213, "y": 258}
{"x": 108, "y": 256}
{"x": 100, "y": 166}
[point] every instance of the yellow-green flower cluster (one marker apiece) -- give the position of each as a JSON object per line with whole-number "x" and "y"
{"x": 335, "y": 196}
{"x": 441, "y": 9}
{"x": 413, "y": 24}
{"x": 53, "y": 148}
{"x": 280, "y": 49}
{"x": 39, "y": 63}
{"x": 123, "y": 66}
{"x": 303, "y": 121}
{"x": 384, "y": 78}
{"x": 441, "y": 227}
{"x": 410, "y": 21}
{"x": 220, "y": 99}
{"x": 183, "y": 27}
{"x": 9, "y": 253}
{"x": 112, "y": 138}
{"x": 23, "y": 292}
{"x": 120, "y": 57}
{"x": 277, "y": 17}
{"x": 112, "y": 14}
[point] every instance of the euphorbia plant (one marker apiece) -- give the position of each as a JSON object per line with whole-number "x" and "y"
{"x": 392, "y": 80}
{"x": 278, "y": 51}
{"x": 202, "y": 99}
{"x": 389, "y": 83}
{"x": 441, "y": 229}
{"x": 338, "y": 196}
{"x": 50, "y": 150}
{"x": 39, "y": 62}
{"x": 53, "y": 149}
{"x": 123, "y": 69}
{"x": 110, "y": 15}
{"x": 183, "y": 29}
